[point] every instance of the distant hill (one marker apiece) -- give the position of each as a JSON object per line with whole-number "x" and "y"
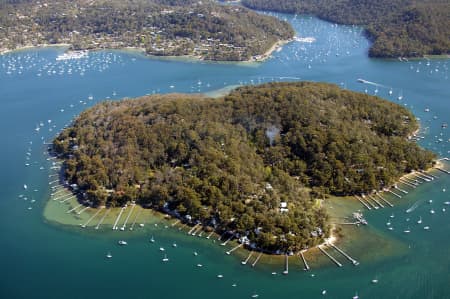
{"x": 253, "y": 162}
{"x": 203, "y": 29}
{"x": 398, "y": 28}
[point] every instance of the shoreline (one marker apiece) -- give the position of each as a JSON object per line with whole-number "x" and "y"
{"x": 188, "y": 58}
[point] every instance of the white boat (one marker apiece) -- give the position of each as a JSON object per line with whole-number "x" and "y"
{"x": 25, "y": 186}
{"x": 152, "y": 240}
{"x": 255, "y": 296}
{"x": 407, "y": 231}
{"x": 165, "y": 258}
{"x": 447, "y": 203}
{"x": 199, "y": 265}
{"x": 356, "y": 296}
{"x": 109, "y": 255}
{"x": 426, "y": 228}
{"x": 420, "y": 220}
{"x": 195, "y": 253}
{"x": 374, "y": 280}
{"x": 161, "y": 249}
{"x": 174, "y": 245}
{"x": 432, "y": 212}
{"x": 220, "y": 276}
{"x": 122, "y": 242}
{"x": 390, "y": 228}
{"x": 324, "y": 292}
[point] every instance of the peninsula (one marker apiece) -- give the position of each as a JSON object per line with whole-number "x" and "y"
{"x": 255, "y": 163}
{"x": 398, "y": 28}
{"x": 201, "y": 29}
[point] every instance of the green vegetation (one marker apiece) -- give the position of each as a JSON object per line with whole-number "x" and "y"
{"x": 253, "y": 162}
{"x": 398, "y": 28}
{"x": 162, "y": 27}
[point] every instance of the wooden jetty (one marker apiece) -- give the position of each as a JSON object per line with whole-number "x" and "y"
{"x": 244, "y": 262}
{"x": 399, "y": 189}
{"x": 375, "y": 200}
{"x": 194, "y": 227}
{"x": 363, "y": 203}
{"x": 304, "y": 261}
{"x": 330, "y": 257}
{"x": 90, "y": 219}
{"x": 392, "y": 192}
{"x": 257, "y": 259}
{"x": 118, "y": 217}
{"x": 229, "y": 239}
{"x": 128, "y": 217}
{"x": 406, "y": 183}
{"x": 443, "y": 170}
{"x": 71, "y": 210}
{"x": 234, "y": 248}
{"x": 103, "y": 218}
{"x": 135, "y": 219}
{"x": 383, "y": 199}
{"x": 286, "y": 265}
{"x": 209, "y": 236}
{"x": 369, "y": 202}
{"x": 68, "y": 198}
{"x": 354, "y": 262}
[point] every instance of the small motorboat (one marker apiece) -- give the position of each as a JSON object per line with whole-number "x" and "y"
{"x": 165, "y": 258}
{"x": 109, "y": 255}
{"x": 122, "y": 242}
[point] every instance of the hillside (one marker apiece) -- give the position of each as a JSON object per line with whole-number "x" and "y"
{"x": 398, "y": 28}
{"x": 202, "y": 29}
{"x": 254, "y": 162}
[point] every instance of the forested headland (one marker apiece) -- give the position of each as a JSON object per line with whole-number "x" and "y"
{"x": 203, "y": 29}
{"x": 398, "y": 28}
{"x": 257, "y": 162}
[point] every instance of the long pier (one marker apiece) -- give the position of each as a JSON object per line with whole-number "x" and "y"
{"x": 385, "y": 200}
{"x": 90, "y": 219}
{"x": 331, "y": 258}
{"x": 118, "y": 217}
{"x": 190, "y": 231}
{"x": 443, "y": 170}
{"x": 364, "y": 204}
{"x": 257, "y": 259}
{"x": 71, "y": 210}
{"x": 354, "y": 262}
{"x": 369, "y": 202}
{"x": 135, "y": 219}
{"x": 244, "y": 262}
{"x": 286, "y": 265}
{"x": 304, "y": 261}
{"x": 392, "y": 192}
{"x": 399, "y": 189}
{"x": 68, "y": 198}
{"x": 229, "y": 239}
{"x": 128, "y": 217}
{"x": 375, "y": 200}
{"x": 103, "y": 218}
{"x": 234, "y": 248}
{"x": 82, "y": 210}
{"x": 407, "y": 184}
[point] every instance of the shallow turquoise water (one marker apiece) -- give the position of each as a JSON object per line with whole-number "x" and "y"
{"x": 41, "y": 260}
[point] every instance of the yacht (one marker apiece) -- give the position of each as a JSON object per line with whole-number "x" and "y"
{"x": 199, "y": 265}
{"x": 195, "y": 253}
{"x": 165, "y": 258}
{"x": 122, "y": 242}
{"x": 220, "y": 276}
{"x": 407, "y": 231}
{"x": 375, "y": 280}
{"x": 161, "y": 249}
{"x": 152, "y": 240}
{"x": 432, "y": 211}
{"x": 420, "y": 220}
{"x": 426, "y": 228}
{"x": 109, "y": 255}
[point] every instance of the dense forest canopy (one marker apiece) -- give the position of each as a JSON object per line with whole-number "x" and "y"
{"x": 161, "y": 27}
{"x": 398, "y": 28}
{"x": 253, "y": 162}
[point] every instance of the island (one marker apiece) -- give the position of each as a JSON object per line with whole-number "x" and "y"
{"x": 256, "y": 164}
{"x": 199, "y": 29}
{"x": 397, "y": 28}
